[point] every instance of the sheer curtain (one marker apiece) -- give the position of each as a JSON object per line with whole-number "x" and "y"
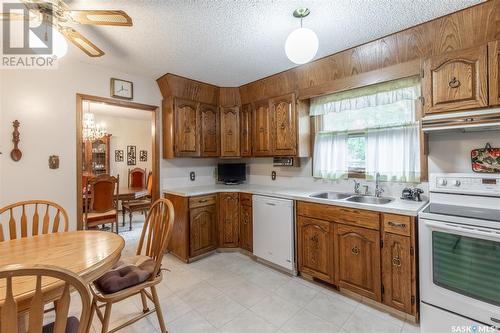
{"x": 386, "y": 114}
{"x": 394, "y": 152}
{"x": 330, "y": 155}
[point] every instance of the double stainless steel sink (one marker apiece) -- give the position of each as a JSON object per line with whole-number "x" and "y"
{"x": 367, "y": 199}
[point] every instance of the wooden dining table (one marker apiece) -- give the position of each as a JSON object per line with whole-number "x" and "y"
{"x": 132, "y": 193}
{"x": 89, "y": 254}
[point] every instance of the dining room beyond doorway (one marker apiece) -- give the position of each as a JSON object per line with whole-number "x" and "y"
{"x": 117, "y": 167}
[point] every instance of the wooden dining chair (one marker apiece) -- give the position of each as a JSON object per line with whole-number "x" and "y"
{"x": 102, "y": 207}
{"x": 137, "y": 177}
{"x": 9, "y": 316}
{"x": 139, "y": 205}
{"x": 134, "y": 275}
{"x": 43, "y": 216}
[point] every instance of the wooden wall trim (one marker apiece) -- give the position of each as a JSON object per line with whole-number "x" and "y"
{"x": 398, "y": 71}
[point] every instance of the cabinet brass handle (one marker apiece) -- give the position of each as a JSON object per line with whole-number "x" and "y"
{"x": 355, "y": 250}
{"x": 397, "y": 225}
{"x": 314, "y": 238}
{"x": 396, "y": 261}
{"x": 202, "y": 201}
{"x": 454, "y": 83}
{"x": 283, "y": 126}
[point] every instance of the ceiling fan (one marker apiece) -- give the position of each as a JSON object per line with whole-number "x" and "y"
{"x": 62, "y": 18}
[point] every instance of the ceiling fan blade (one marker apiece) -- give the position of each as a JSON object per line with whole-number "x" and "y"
{"x": 12, "y": 17}
{"x": 100, "y": 17}
{"x": 82, "y": 42}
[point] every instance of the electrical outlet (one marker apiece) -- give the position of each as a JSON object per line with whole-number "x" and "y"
{"x": 192, "y": 176}
{"x": 273, "y": 175}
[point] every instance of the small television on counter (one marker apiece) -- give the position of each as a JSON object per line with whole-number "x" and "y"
{"x": 231, "y": 173}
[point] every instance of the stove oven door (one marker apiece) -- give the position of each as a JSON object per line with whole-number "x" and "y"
{"x": 460, "y": 269}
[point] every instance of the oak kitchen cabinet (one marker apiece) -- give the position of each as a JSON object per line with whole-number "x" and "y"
{"x": 246, "y": 130}
{"x": 315, "y": 244}
{"x": 456, "y": 80}
{"x": 209, "y": 131}
{"x": 229, "y": 216}
{"x": 398, "y": 262}
{"x": 494, "y": 72}
{"x": 246, "y": 225}
{"x": 284, "y": 125}
{"x": 358, "y": 253}
{"x": 187, "y": 128}
{"x": 203, "y": 226}
{"x": 230, "y": 131}
{"x": 366, "y": 252}
{"x": 262, "y": 140}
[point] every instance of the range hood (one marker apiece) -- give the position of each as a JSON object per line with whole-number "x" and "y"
{"x": 478, "y": 120}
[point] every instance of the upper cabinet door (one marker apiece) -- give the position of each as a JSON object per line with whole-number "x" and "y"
{"x": 209, "y": 130}
{"x": 494, "y": 72}
{"x": 230, "y": 132}
{"x": 187, "y": 137}
{"x": 284, "y": 125}
{"x": 246, "y": 130}
{"x": 456, "y": 80}
{"x": 261, "y": 130}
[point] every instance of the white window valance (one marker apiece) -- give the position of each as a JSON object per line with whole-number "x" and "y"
{"x": 383, "y": 105}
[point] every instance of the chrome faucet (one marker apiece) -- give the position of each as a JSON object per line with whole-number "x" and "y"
{"x": 378, "y": 190}
{"x": 356, "y": 186}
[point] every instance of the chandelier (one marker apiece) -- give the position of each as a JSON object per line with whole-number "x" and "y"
{"x": 92, "y": 131}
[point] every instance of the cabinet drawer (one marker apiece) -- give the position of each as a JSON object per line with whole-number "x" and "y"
{"x": 245, "y": 199}
{"x": 397, "y": 224}
{"x": 203, "y": 200}
{"x": 318, "y": 211}
{"x": 359, "y": 218}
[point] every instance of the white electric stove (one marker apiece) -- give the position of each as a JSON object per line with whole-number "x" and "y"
{"x": 459, "y": 244}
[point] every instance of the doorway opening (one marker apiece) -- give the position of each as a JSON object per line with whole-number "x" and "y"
{"x": 116, "y": 138}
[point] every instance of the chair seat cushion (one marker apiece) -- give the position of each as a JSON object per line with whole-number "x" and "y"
{"x": 127, "y": 272}
{"x": 71, "y": 326}
{"x": 93, "y": 217}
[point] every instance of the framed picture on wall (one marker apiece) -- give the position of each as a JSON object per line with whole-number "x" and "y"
{"x": 143, "y": 156}
{"x": 118, "y": 155}
{"x": 131, "y": 155}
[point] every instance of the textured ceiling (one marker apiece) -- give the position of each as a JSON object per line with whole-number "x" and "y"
{"x": 232, "y": 42}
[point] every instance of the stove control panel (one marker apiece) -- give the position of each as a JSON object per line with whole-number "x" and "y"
{"x": 465, "y": 183}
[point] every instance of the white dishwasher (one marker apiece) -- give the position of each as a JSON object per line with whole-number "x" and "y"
{"x": 273, "y": 231}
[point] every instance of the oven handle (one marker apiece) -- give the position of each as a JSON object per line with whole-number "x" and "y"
{"x": 469, "y": 230}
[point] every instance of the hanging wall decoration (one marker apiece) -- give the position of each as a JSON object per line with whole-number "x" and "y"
{"x": 16, "y": 153}
{"x": 143, "y": 156}
{"x": 486, "y": 160}
{"x": 118, "y": 155}
{"x": 131, "y": 155}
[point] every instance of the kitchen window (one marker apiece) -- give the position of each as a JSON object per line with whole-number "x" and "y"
{"x": 367, "y": 131}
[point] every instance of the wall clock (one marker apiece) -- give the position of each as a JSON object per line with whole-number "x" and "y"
{"x": 122, "y": 89}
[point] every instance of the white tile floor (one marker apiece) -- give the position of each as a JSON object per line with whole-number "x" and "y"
{"x": 229, "y": 292}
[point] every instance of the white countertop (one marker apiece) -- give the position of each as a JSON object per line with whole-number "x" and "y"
{"x": 398, "y": 206}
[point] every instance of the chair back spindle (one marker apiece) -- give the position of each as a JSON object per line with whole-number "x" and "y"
{"x": 22, "y": 219}
{"x": 156, "y": 232}
{"x": 67, "y": 280}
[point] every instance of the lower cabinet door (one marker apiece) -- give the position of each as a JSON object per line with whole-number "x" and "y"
{"x": 396, "y": 272}
{"x": 246, "y": 228}
{"x": 358, "y": 261}
{"x": 202, "y": 223}
{"x": 229, "y": 215}
{"x": 315, "y": 248}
